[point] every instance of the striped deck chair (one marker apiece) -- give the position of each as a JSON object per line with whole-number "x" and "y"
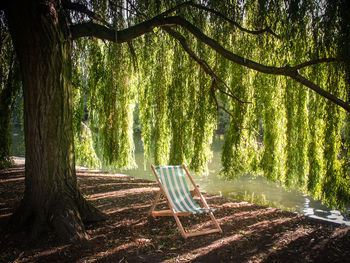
{"x": 173, "y": 186}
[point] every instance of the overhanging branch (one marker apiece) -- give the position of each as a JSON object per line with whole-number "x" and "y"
{"x": 94, "y": 30}
{"x": 91, "y": 29}
{"x": 83, "y": 9}
{"x": 282, "y": 71}
{"x": 314, "y": 62}
{"x": 215, "y": 12}
{"x": 202, "y": 63}
{"x": 218, "y": 106}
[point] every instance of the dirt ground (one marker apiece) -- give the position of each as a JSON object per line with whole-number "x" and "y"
{"x": 251, "y": 233}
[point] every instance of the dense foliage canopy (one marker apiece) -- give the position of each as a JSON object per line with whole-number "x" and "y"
{"x": 177, "y": 87}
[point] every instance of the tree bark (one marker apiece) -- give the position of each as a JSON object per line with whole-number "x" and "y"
{"x": 42, "y": 40}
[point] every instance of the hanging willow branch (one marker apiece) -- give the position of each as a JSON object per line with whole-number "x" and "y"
{"x": 210, "y": 10}
{"x": 114, "y": 7}
{"x": 289, "y": 143}
{"x": 283, "y": 71}
{"x": 203, "y": 64}
{"x": 91, "y": 29}
{"x": 208, "y": 70}
{"x": 214, "y": 87}
{"x": 83, "y": 9}
{"x": 314, "y": 62}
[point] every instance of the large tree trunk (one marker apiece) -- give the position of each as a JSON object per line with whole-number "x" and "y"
{"x": 51, "y": 199}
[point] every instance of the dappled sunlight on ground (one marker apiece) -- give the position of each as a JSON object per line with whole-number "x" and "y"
{"x": 251, "y": 233}
{"x": 201, "y": 251}
{"x": 45, "y": 253}
{"x": 119, "y": 193}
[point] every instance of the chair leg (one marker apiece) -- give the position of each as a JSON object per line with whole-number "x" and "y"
{"x": 178, "y": 222}
{"x": 167, "y": 213}
{"x": 198, "y": 233}
{"x": 215, "y": 222}
{"x": 155, "y": 201}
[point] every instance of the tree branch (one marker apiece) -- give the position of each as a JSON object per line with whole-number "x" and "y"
{"x": 214, "y": 86}
{"x": 282, "y": 71}
{"x": 203, "y": 64}
{"x": 91, "y": 29}
{"x": 94, "y": 30}
{"x": 234, "y": 23}
{"x": 83, "y": 9}
{"x": 114, "y": 6}
{"x": 314, "y": 62}
{"x": 207, "y": 69}
{"x": 299, "y": 78}
{"x": 210, "y": 10}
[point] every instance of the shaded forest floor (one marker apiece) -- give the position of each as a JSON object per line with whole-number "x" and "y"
{"x": 251, "y": 233}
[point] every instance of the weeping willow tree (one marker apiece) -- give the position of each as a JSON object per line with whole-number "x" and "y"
{"x": 278, "y": 69}
{"x": 9, "y": 87}
{"x": 279, "y": 126}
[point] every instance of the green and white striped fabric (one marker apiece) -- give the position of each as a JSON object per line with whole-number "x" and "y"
{"x": 174, "y": 183}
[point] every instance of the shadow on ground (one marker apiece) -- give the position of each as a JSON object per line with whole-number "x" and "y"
{"x": 251, "y": 233}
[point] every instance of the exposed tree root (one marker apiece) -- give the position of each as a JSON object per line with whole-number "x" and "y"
{"x": 64, "y": 217}
{"x": 67, "y": 223}
{"x": 89, "y": 214}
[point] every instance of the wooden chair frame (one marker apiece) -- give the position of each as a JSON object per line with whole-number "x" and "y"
{"x": 172, "y": 212}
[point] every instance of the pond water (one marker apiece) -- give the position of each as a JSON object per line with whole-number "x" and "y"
{"x": 246, "y": 188}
